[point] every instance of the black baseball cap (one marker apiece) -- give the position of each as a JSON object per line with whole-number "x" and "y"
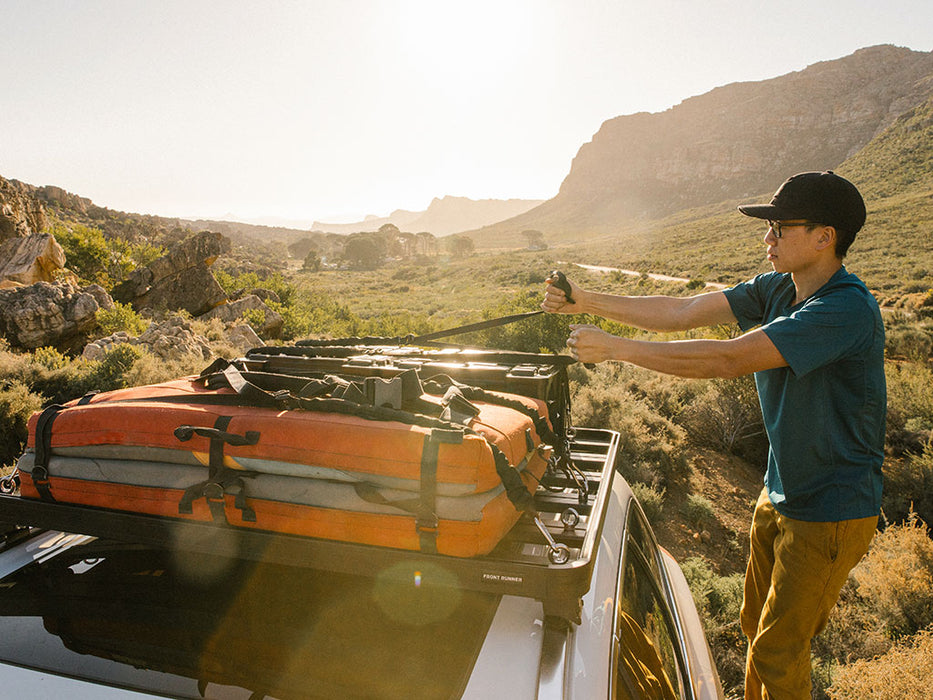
{"x": 820, "y": 197}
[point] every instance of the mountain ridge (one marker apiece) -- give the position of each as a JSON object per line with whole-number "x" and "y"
{"x": 444, "y": 216}
{"x": 736, "y": 141}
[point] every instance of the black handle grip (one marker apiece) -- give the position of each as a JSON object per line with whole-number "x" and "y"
{"x": 559, "y": 280}
{"x": 186, "y": 432}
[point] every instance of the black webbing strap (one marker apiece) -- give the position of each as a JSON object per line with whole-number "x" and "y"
{"x": 441, "y": 383}
{"x": 511, "y": 479}
{"x": 402, "y": 392}
{"x": 426, "y": 521}
{"x": 43, "y": 440}
{"x": 86, "y": 399}
{"x": 220, "y": 479}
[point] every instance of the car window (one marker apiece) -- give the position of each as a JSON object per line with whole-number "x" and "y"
{"x": 203, "y": 626}
{"x": 646, "y": 659}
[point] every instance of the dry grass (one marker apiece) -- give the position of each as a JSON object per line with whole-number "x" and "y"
{"x": 906, "y": 671}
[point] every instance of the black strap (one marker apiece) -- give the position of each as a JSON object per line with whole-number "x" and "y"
{"x": 511, "y": 479}
{"x": 426, "y": 521}
{"x": 43, "y": 447}
{"x": 440, "y": 383}
{"x": 220, "y": 479}
{"x": 471, "y": 327}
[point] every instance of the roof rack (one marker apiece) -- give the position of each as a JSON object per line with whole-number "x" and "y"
{"x": 518, "y": 566}
{"x": 549, "y": 557}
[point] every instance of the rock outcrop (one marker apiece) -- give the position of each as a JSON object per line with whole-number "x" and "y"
{"x": 21, "y": 214}
{"x": 55, "y": 196}
{"x": 271, "y": 323}
{"x": 168, "y": 340}
{"x": 30, "y": 259}
{"x": 181, "y": 279}
{"x": 50, "y": 314}
{"x": 174, "y": 339}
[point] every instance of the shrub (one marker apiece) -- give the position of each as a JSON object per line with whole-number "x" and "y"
{"x": 910, "y": 405}
{"x": 889, "y": 596}
{"x": 908, "y": 486}
{"x": 49, "y": 358}
{"x": 668, "y": 395}
{"x": 55, "y": 378}
{"x": 96, "y": 258}
{"x": 150, "y": 369}
{"x": 256, "y": 318}
{"x": 719, "y": 600}
{"x": 910, "y": 343}
{"x": 651, "y": 500}
{"x": 903, "y": 672}
{"x": 895, "y": 579}
{"x": 697, "y": 510}
{"x": 122, "y": 317}
{"x": 727, "y": 416}
{"x": 651, "y": 447}
{"x": 852, "y": 632}
{"x": 111, "y": 370}
{"x": 17, "y": 404}
{"x": 545, "y": 332}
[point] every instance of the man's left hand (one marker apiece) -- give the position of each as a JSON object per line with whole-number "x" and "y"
{"x": 588, "y": 343}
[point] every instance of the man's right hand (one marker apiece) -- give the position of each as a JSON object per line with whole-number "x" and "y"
{"x": 555, "y": 299}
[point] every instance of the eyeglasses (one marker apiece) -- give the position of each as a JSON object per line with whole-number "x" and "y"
{"x": 779, "y": 226}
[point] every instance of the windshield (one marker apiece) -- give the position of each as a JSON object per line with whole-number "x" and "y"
{"x": 202, "y": 626}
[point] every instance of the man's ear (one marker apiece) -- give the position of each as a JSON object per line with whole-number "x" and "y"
{"x": 826, "y": 238}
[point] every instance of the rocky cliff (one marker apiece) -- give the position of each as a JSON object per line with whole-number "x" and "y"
{"x": 736, "y": 141}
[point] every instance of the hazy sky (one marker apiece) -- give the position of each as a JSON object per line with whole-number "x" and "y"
{"x": 333, "y": 109}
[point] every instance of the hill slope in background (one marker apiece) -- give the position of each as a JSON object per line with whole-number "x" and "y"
{"x": 735, "y": 141}
{"x": 443, "y": 216}
{"x": 893, "y": 253}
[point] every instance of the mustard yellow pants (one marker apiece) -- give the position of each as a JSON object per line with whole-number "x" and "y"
{"x": 796, "y": 570}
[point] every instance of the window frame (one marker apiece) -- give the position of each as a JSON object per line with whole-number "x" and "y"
{"x": 659, "y": 583}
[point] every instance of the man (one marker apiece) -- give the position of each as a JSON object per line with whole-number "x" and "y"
{"x": 815, "y": 342}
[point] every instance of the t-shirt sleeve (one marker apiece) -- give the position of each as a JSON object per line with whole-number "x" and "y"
{"x": 747, "y": 300}
{"x": 823, "y": 330}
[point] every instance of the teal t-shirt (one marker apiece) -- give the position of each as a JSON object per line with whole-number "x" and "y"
{"x": 824, "y": 412}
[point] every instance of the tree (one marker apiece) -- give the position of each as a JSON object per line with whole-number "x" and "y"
{"x": 300, "y": 248}
{"x": 459, "y": 246}
{"x": 427, "y": 243}
{"x": 365, "y": 251}
{"x": 535, "y": 239}
{"x": 312, "y": 261}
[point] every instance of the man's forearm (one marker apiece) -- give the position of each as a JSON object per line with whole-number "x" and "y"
{"x": 683, "y": 358}
{"x": 660, "y": 313}
{"x": 751, "y": 352}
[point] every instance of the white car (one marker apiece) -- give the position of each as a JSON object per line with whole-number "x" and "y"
{"x": 581, "y": 604}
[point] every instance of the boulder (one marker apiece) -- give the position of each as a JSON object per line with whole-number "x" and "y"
{"x": 34, "y": 258}
{"x": 50, "y": 314}
{"x": 242, "y": 337}
{"x": 272, "y": 323}
{"x": 180, "y": 279}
